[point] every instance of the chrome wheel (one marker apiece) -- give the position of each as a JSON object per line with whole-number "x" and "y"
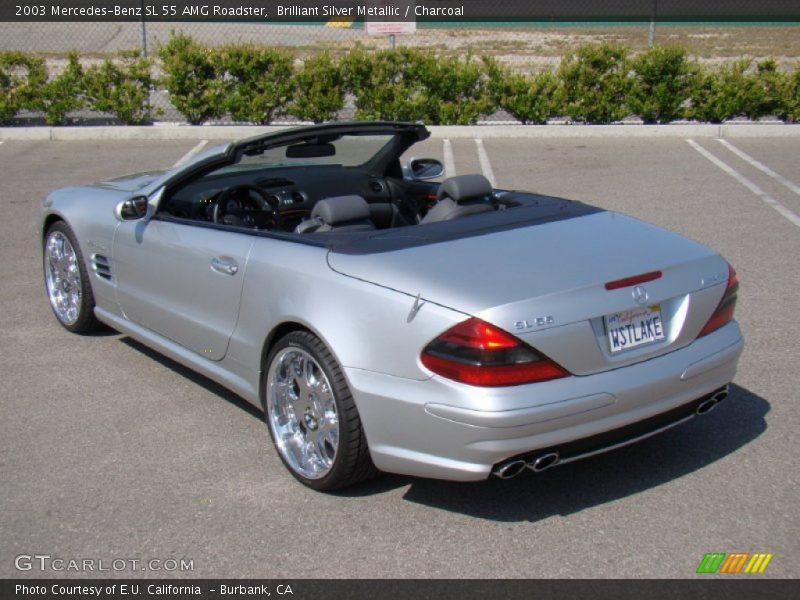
{"x": 63, "y": 278}
{"x": 301, "y": 412}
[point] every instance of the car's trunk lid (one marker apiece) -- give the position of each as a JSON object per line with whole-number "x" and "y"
{"x": 545, "y": 283}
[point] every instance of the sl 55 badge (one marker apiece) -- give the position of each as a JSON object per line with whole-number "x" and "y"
{"x": 534, "y": 322}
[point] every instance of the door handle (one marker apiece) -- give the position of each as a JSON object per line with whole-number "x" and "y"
{"x": 224, "y": 265}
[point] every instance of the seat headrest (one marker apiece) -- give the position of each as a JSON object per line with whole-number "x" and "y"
{"x": 463, "y": 188}
{"x": 341, "y": 209}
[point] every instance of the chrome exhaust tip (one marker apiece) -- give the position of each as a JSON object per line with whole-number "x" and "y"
{"x": 706, "y": 406}
{"x": 721, "y": 395}
{"x": 543, "y": 462}
{"x": 709, "y": 404}
{"x": 509, "y": 469}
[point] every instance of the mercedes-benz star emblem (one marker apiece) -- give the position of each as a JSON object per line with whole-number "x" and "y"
{"x": 640, "y": 294}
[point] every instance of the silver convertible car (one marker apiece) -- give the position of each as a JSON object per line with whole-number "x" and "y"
{"x": 385, "y": 321}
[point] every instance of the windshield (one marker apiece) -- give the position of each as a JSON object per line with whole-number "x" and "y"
{"x": 345, "y": 150}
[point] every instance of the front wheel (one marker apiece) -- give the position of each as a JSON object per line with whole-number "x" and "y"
{"x": 66, "y": 280}
{"x": 311, "y": 415}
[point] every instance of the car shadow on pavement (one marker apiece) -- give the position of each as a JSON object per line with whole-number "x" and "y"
{"x": 607, "y": 477}
{"x": 604, "y": 478}
{"x": 102, "y": 331}
{"x": 200, "y": 380}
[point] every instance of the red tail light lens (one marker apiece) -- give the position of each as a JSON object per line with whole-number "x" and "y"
{"x": 477, "y": 353}
{"x": 724, "y": 312}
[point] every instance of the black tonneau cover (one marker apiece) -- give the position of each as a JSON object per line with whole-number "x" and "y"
{"x": 533, "y": 209}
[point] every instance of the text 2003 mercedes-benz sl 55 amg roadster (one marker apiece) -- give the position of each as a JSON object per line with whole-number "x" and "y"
{"x": 384, "y": 321}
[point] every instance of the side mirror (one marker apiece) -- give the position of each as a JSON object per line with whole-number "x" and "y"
{"x": 132, "y": 208}
{"x": 420, "y": 169}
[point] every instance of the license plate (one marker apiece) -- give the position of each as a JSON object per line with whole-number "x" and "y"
{"x": 637, "y": 327}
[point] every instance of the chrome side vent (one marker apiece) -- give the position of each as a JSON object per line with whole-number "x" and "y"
{"x": 101, "y": 266}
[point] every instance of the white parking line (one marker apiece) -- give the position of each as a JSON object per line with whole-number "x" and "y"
{"x": 788, "y": 214}
{"x": 486, "y": 166}
{"x": 186, "y": 157}
{"x": 761, "y": 166}
{"x": 449, "y": 161}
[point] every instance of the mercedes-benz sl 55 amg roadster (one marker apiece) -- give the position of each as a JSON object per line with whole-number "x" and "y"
{"x": 388, "y": 318}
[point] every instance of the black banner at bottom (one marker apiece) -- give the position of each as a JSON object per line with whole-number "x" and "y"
{"x": 709, "y": 588}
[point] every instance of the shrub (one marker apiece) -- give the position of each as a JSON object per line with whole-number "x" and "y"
{"x": 715, "y": 95}
{"x": 792, "y": 96}
{"x": 457, "y": 91}
{"x": 529, "y": 98}
{"x": 191, "y": 78}
{"x": 122, "y": 88}
{"x": 257, "y": 81}
{"x": 735, "y": 90}
{"x": 409, "y": 85}
{"x": 662, "y": 83}
{"x": 386, "y": 84}
{"x": 773, "y": 85}
{"x": 594, "y": 83}
{"x": 319, "y": 89}
{"x": 62, "y": 94}
{"x": 21, "y": 79}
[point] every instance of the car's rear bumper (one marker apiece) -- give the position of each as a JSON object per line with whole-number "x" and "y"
{"x": 442, "y": 429}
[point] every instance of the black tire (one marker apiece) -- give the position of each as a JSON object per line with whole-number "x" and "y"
{"x": 85, "y": 322}
{"x": 352, "y": 463}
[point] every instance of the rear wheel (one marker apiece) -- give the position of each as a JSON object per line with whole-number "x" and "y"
{"x": 311, "y": 415}
{"x": 66, "y": 280}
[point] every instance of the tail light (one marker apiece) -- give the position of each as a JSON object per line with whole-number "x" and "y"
{"x": 477, "y": 353}
{"x": 724, "y": 312}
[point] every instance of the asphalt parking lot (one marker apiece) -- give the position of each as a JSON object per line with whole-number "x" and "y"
{"x": 108, "y": 451}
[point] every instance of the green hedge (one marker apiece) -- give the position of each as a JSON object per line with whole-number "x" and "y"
{"x": 793, "y": 97}
{"x": 256, "y": 81}
{"x": 529, "y": 98}
{"x": 594, "y": 83}
{"x": 318, "y": 89}
{"x": 662, "y": 82}
{"x": 122, "y": 88}
{"x": 738, "y": 90}
{"x": 388, "y": 84}
{"x": 598, "y": 83}
{"x": 62, "y": 94}
{"x": 21, "y": 80}
{"x": 410, "y": 84}
{"x": 191, "y": 79}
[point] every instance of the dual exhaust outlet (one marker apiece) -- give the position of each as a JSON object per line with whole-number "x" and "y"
{"x": 514, "y": 466}
{"x": 709, "y": 404}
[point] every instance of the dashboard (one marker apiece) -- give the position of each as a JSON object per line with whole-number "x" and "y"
{"x": 292, "y": 192}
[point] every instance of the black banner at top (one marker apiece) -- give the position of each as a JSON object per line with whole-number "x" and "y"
{"x": 399, "y": 10}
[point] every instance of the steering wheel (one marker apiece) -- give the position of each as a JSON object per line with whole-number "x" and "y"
{"x": 234, "y": 206}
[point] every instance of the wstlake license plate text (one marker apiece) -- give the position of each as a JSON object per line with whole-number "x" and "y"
{"x": 636, "y": 327}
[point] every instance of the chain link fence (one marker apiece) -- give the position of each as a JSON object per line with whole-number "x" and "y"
{"x": 101, "y": 39}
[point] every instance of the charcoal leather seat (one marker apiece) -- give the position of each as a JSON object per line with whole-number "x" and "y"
{"x": 461, "y": 196}
{"x": 340, "y": 213}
